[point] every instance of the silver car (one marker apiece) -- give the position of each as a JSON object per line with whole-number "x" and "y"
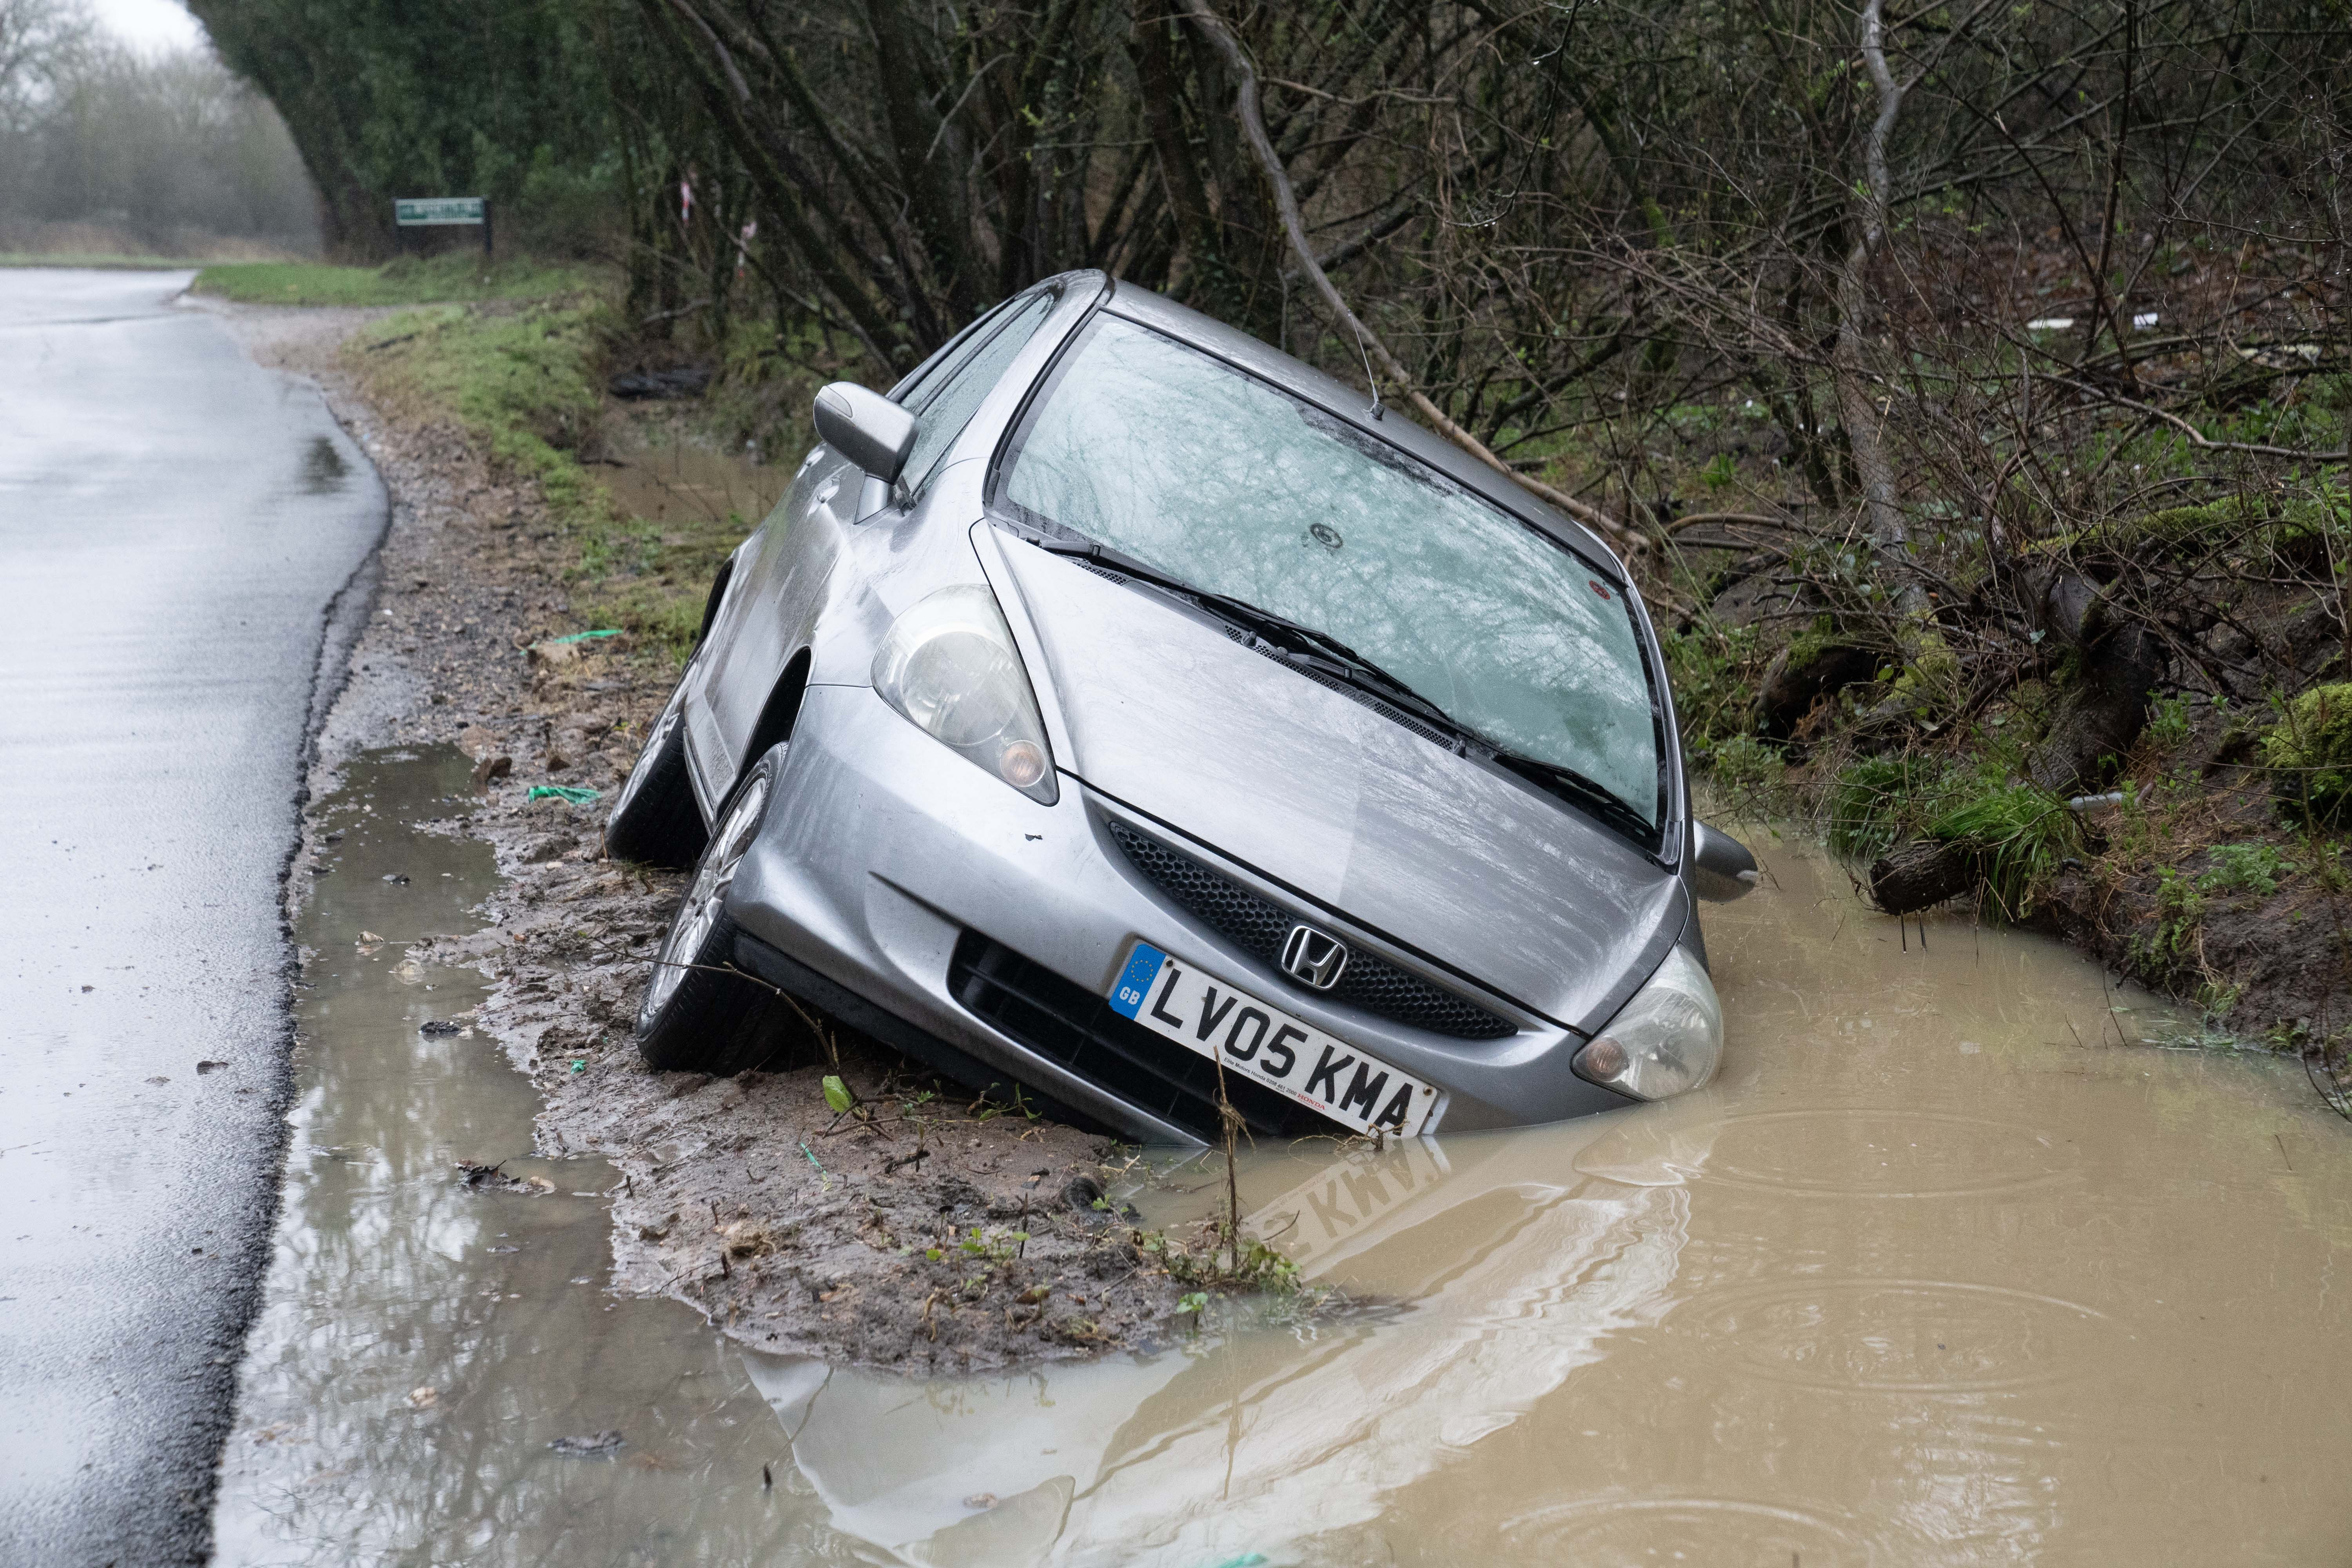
{"x": 1123, "y": 713}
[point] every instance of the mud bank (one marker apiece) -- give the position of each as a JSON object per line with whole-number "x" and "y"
{"x": 922, "y": 1229}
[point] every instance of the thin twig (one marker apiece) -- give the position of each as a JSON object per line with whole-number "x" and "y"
{"x": 2197, "y": 437}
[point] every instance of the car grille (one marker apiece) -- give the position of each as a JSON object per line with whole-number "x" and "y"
{"x": 1066, "y": 1023}
{"x": 1259, "y": 928}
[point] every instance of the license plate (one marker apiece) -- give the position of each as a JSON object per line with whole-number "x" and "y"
{"x": 1176, "y": 998}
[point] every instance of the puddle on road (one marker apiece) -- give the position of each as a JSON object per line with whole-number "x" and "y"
{"x": 323, "y": 469}
{"x": 1931, "y": 1274}
{"x": 391, "y": 1278}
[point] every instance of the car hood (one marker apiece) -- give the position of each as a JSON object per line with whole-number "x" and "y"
{"x": 1441, "y": 854}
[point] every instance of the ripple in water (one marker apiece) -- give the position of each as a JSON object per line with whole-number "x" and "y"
{"x": 1921, "y": 1336}
{"x": 1884, "y": 1155}
{"x": 1721, "y": 1533}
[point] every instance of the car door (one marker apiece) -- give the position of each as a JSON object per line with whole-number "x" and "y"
{"x": 787, "y": 568}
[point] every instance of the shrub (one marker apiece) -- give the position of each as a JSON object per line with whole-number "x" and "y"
{"x": 1744, "y": 764}
{"x": 2245, "y": 869}
{"x": 2309, "y": 753}
{"x": 1873, "y": 800}
{"x": 1713, "y": 669}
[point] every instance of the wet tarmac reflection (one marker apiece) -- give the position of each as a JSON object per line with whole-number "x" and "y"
{"x": 1936, "y": 1272}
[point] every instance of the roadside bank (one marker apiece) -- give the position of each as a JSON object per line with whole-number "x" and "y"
{"x": 919, "y": 1228}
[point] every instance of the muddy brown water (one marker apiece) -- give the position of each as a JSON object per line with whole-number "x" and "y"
{"x": 659, "y": 474}
{"x": 1936, "y": 1272}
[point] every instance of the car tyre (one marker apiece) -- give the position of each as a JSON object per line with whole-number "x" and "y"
{"x": 655, "y": 819}
{"x": 699, "y": 1014}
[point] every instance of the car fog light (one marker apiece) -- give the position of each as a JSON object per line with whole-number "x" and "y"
{"x": 948, "y": 665}
{"x": 1667, "y": 1040}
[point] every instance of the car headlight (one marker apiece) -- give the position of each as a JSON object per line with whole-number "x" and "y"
{"x": 1667, "y": 1040}
{"x": 949, "y": 664}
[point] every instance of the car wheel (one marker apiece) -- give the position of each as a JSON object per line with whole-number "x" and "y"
{"x": 698, "y": 1015}
{"x": 654, "y": 818}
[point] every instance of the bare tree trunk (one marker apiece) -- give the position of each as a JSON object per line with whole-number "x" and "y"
{"x": 1850, "y": 361}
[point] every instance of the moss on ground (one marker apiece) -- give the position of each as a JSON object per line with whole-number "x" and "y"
{"x": 2302, "y": 518}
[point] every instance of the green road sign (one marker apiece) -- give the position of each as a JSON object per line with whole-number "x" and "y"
{"x": 420, "y": 212}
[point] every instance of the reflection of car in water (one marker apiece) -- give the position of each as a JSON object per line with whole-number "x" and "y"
{"x": 1120, "y": 699}
{"x": 1519, "y": 1257}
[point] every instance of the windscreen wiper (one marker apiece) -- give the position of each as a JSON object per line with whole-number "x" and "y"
{"x": 1575, "y": 787}
{"x": 1324, "y": 650}
{"x": 1327, "y": 654}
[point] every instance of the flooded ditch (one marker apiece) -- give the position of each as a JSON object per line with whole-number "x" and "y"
{"x": 1938, "y": 1271}
{"x": 658, "y": 474}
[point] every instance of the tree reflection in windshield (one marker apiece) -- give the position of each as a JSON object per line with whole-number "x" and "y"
{"x": 1215, "y": 476}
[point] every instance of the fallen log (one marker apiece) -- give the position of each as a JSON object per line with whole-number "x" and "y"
{"x": 1801, "y": 675}
{"x": 1921, "y": 874}
{"x": 2102, "y": 714}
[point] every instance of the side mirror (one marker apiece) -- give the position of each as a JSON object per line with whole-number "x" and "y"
{"x": 1722, "y": 868}
{"x": 866, "y": 427}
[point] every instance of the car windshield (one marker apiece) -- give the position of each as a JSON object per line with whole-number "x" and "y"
{"x": 1216, "y": 478}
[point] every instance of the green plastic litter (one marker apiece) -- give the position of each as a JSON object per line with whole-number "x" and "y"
{"x": 580, "y": 1065}
{"x": 584, "y": 636}
{"x": 572, "y": 793}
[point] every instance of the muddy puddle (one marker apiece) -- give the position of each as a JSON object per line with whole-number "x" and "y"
{"x": 1936, "y": 1272}
{"x": 656, "y": 472}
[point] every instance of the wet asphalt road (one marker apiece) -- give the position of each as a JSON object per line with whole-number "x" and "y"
{"x": 176, "y": 527}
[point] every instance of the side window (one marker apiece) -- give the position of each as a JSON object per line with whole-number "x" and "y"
{"x": 947, "y": 400}
{"x": 926, "y": 378}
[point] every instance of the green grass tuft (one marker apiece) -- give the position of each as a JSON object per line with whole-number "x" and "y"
{"x": 2309, "y": 753}
{"x": 1878, "y": 800}
{"x": 2019, "y": 835}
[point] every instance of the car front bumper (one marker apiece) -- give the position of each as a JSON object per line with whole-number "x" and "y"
{"x": 894, "y": 870}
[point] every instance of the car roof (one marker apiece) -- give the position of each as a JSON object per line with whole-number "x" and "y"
{"x": 1132, "y": 302}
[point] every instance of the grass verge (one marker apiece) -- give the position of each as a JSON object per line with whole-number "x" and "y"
{"x": 525, "y": 380}
{"x": 409, "y": 280}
